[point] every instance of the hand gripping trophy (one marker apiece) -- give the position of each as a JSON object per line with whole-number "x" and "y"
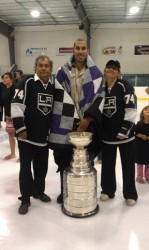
{"x": 80, "y": 180}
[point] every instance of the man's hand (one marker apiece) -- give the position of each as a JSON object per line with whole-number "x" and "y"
{"x": 22, "y": 135}
{"x": 143, "y": 137}
{"x": 83, "y": 124}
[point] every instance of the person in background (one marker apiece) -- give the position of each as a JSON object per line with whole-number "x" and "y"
{"x": 1, "y": 116}
{"x": 1, "y": 110}
{"x": 147, "y": 90}
{"x": 18, "y": 76}
{"x": 82, "y": 80}
{"x": 7, "y": 89}
{"x": 142, "y": 146}
{"x": 118, "y": 122}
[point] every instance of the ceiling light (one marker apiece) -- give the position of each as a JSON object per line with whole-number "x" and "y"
{"x": 35, "y": 13}
{"x": 134, "y": 9}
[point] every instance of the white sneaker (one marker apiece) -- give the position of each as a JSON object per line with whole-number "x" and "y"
{"x": 104, "y": 197}
{"x": 130, "y": 202}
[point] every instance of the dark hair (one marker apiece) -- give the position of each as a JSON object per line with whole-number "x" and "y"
{"x": 141, "y": 114}
{"x": 8, "y": 74}
{"x": 19, "y": 71}
{"x": 113, "y": 63}
{"x": 43, "y": 57}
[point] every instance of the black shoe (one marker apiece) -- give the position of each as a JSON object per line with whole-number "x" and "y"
{"x": 43, "y": 197}
{"x": 23, "y": 209}
{"x": 60, "y": 199}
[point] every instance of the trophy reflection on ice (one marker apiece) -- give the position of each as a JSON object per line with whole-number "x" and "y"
{"x": 80, "y": 179}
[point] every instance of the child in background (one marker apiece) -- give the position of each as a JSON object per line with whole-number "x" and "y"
{"x": 142, "y": 146}
{"x": 1, "y": 107}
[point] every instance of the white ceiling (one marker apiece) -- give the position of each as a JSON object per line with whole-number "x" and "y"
{"x": 60, "y": 12}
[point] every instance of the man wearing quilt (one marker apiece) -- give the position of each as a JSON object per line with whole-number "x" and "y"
{"x": 82, "y": 80}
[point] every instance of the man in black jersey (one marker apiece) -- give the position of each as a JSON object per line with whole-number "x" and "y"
{"x": 118, "y": 122}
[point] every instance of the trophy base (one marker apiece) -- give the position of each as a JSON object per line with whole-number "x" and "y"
{"x": 80, "y": 215}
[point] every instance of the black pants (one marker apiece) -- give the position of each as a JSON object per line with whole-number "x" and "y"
{"x": 1, "y": 113}
{"x": 63, "y": 157}
{"x": 32, "y": 182}
{"x": 108, "y": 174}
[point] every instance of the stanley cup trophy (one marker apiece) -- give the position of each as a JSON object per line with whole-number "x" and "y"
{"x": 80, "y": 180}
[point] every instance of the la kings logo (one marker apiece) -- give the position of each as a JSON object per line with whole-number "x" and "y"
{"x": 45, "y": 102}
{"x": 109, "y": 106}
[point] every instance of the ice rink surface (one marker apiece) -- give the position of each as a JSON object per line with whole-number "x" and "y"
{"x": 45, "y": 227}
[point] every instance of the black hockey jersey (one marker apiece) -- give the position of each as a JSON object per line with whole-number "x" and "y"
{"x": 31, "y": 109}
{"x": 119, "y": 113}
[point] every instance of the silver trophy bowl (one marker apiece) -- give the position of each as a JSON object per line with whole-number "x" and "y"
{"x": 80, "y": 179}
{"x": 80, "y": 139}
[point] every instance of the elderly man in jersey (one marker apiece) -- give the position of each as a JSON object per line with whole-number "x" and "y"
{"x": 36, "y": 98}
{"x": 82, "y": 80}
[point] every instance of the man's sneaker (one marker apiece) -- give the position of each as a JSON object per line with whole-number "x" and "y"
{"x": 130, "y": 202}
{"x": 43, "y": 197}
{"x": 23, "y": 209}
{"x": 104, "y": 197}
{"x": 60, "y": 199}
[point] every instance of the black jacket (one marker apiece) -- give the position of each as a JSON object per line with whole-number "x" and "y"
{"x": 31, "y": 109}
{"x": 119, "y": 112}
